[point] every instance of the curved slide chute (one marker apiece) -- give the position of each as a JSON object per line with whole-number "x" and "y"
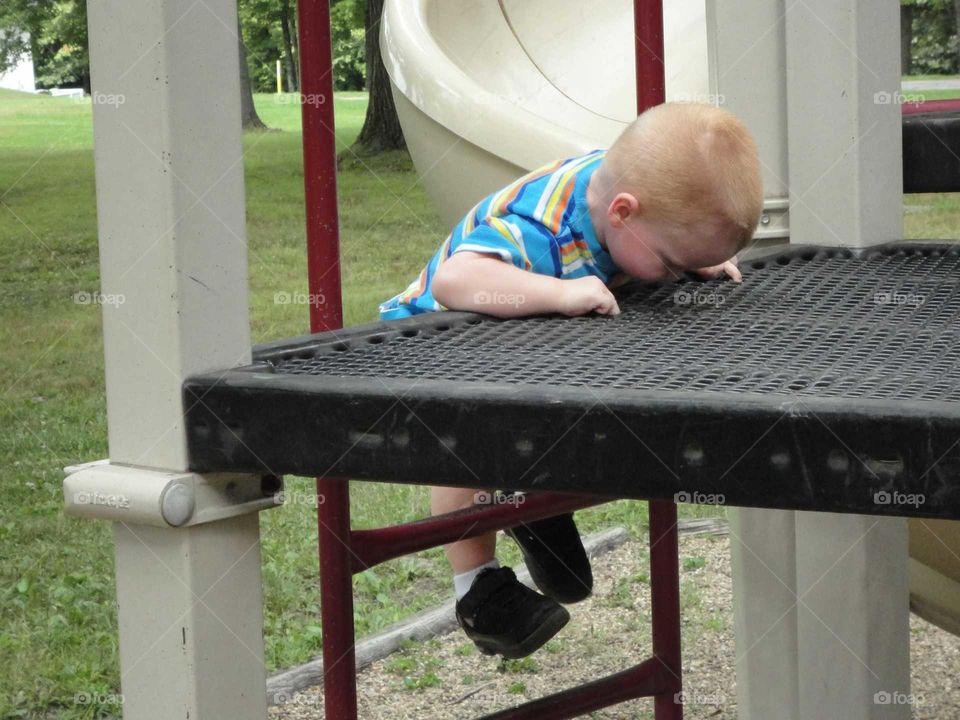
{"x": 488, "y": 90}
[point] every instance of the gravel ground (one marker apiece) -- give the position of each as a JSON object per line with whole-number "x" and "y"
{"x": 446, "y": 678}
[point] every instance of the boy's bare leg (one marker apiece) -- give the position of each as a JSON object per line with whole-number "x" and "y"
{"x": 464, "y": 555}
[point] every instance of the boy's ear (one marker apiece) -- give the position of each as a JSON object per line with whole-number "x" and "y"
{"x": 621, "y": 208}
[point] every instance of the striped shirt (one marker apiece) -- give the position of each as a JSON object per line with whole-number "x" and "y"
{"x": 538, "y": 223}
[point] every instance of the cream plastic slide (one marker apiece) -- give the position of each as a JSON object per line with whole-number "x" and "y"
{"x": 487, "y": 90}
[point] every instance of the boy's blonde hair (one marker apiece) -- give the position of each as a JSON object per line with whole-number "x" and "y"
{"x": 687, "y": 162}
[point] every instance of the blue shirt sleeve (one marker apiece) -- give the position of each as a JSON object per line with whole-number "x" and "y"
{"x": 515, "y": 239}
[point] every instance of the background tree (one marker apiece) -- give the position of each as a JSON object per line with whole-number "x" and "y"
{"x": 906, "y": 36}
{"x": 291, "y": 49}
{"x": 248, "y": 111}
{"x": 381, "y": 128}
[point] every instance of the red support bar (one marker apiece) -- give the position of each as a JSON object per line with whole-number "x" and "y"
{"x": 648, "y": 33}
{"x": 664, "y": 550}
{"x": 931, "y": 106}
{"x": 665, "y": 604}
{"x": 643, "y": 680}
{"x": 378, "y": 545}
{"x": 320, "y": 165}
{"x": 336, "y": 600}
{"x": 326, "y": 313}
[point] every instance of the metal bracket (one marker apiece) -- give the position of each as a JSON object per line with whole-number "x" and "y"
{"x": 775, "y": 220}
{"x": 144, "y": 496}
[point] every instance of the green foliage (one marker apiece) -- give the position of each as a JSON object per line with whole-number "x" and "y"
{"x": 935, "y": 47}
{"x": 263, "y": 36}
{"x": 20, "y": 20}
{"x": 262, "y": 22}
{"x": 54, "y": 33}
{"x": 63, "y": 39}
{"x": 523, "y": 665}
{"x": 349, "y": 44}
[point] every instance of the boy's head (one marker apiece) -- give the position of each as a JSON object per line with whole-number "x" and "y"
{"x": 680, "y": 189}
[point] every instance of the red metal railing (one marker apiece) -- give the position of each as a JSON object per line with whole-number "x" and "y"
{"x": 343, "y": 551}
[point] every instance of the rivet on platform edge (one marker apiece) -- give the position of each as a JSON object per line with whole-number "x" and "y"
{"x": 780, "y": 460}
{"x": 693, "y": 455}
{"x": 838, "y": 461}
{"x": 524, "y": 446}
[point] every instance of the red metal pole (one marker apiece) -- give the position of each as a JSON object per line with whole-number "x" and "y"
{"x": 378, "y": 545}
{"x": 664, "y": 550}
{"x": 326, "y": 313}
{"x": 648, "y": 32}
{"x": 320, "y": 165}
{"x": 665, "y": 604}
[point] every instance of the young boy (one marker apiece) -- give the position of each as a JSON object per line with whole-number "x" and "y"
{"x": 679, "y": 190}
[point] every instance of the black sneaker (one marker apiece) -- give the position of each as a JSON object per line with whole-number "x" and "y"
{"x": 555, "y": 557}
{"x": 504, "y": 617}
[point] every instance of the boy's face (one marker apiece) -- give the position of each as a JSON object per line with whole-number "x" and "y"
{"x": 659, "y": 251}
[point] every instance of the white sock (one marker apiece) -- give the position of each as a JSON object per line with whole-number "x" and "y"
{"x": 463, "y": 581}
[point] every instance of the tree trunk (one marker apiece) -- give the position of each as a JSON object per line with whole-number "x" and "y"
{"x": 906, "y": 38}
{"x": 295, "y": 39}
{"x": 288, "y": 57}
{"x": 381, "y": 129}
{"x": 248, "y": 113}
{"x": 956, "y": 24}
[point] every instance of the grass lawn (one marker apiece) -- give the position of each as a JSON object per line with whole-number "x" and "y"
{"x": 909, "y": 78}
{"x": 936, "y": 94}
{"x": 56, "y": 575}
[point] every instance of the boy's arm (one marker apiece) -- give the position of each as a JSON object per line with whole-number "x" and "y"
{"x": 486, "y": 283}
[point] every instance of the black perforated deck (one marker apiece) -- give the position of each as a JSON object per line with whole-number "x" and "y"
{"x": 828, "y": 379}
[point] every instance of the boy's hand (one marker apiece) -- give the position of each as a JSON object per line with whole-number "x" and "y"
{"x": 729, "y": 268}
{"x": 585, "y": 295}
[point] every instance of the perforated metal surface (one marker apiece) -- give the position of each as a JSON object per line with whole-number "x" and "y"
{"x": 825, "y": 323}
{"x": 827, "y": 380}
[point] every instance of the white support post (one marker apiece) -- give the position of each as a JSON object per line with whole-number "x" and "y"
{"x": 743, "y": 37}
{"x": 846, "y": 175}
{"x": 764, "y": 563}
{"x": 170, "y": 204}
{"x": 747, "y": 69}
{"x": 821, "y": 601}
